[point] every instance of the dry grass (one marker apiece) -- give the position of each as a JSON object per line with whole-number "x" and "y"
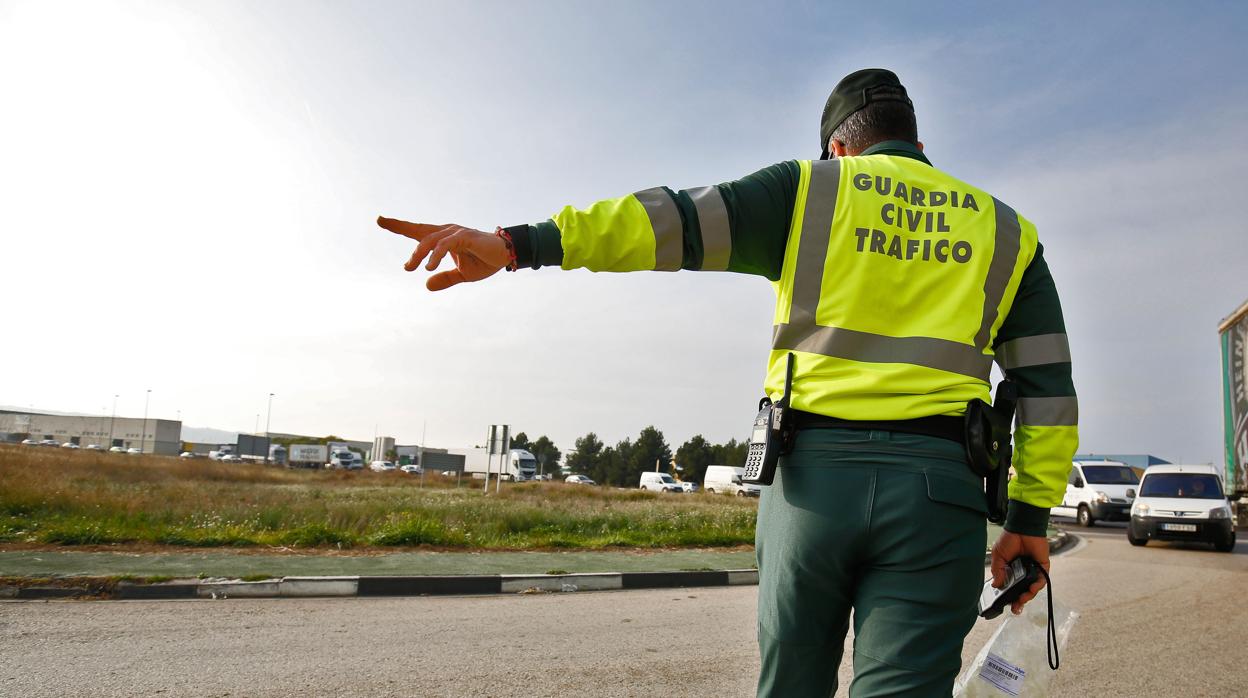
{"x": 63, "y": 497}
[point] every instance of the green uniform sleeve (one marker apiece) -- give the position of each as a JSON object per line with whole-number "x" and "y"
{"x": 740, "y": 226}
{"x": 1033, "y": 351}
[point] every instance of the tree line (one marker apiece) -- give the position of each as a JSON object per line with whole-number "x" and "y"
{"x": 623, "y": 463}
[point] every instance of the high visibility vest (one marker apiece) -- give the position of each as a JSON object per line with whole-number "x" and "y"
{"x": 895, "y": 281}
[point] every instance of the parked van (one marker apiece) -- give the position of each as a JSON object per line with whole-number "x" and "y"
{"x": 659, "y": 482}
{"x": 1098, "y": 490}
{"x": 1183, "y": 502}
{"x": 725, "y": 479}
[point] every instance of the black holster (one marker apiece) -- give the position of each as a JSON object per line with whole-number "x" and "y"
{"x": 988, "y": 447}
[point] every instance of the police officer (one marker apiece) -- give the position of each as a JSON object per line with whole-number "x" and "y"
{"x": 897, "y": 286}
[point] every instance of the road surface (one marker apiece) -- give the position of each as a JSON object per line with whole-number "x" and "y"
{"x": 1157, "y": 621}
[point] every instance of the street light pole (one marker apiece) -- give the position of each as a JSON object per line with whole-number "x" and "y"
{"x": 268, "y": 416}
{"x": 111, "y": 421}
{"x": 143, "y": 439}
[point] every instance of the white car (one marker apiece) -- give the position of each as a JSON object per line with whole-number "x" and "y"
{"x": 186, "y": 454}
{"x": 381, "y": 466}
{"x": 689, "y": 486}
{"x": 70, "y": 444}
{"x": 411, "y": 469}
{"x": 1183, "y": 502}
{"x": 134, "y": 451}
{"x": 659, "y": 482}
{"x": 578, "y": 480}
{"x": 116, "y": 449}
{"x": 1098, "y": 491}
{"x": 93, "y": 447}
{"x": 230, "y": 458}
{"x": 29, "y": 442}
{"x": 49, "y": 442}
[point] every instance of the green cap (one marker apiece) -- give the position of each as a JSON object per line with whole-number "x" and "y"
{"x": 855, "y": 91}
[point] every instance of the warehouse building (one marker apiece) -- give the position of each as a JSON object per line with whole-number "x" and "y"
{"x": 160, "y": 436}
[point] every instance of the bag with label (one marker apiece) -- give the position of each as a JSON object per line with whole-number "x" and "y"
{"x": 1017, "y": 659}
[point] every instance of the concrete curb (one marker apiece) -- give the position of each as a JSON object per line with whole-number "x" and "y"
{"x": 432, "y": 585}
{"x": 310, "y": 587}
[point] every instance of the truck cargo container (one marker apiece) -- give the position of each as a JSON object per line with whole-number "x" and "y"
{"x": 308, "y": 455}
{"x": 1233, "y": 333}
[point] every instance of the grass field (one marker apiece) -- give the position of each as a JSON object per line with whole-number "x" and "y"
{"x": 74, "y": 498}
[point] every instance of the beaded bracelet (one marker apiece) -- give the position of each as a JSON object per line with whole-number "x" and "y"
{"x": 511, "y": 248}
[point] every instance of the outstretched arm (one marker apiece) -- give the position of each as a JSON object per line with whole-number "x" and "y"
{"x": 740, "y": 226}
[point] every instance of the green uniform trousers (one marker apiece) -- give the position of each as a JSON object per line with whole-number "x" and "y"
{"x": 887, "y": 524}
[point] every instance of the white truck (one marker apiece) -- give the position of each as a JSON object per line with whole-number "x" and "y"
{"x": 308, "y": 455}
{"x": 516, "y": 465}
{"x": 341, "y": 457}
{"x": 222, "y": 451}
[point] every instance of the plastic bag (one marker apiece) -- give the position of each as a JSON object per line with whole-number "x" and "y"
{"x": 1015, "y": 662}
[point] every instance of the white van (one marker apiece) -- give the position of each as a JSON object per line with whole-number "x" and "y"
{"x": 1183, "y": 502}
{"x": 725, "y": 479}
{"x": 1098, "y": 490}
{"x": 659, "y": 482}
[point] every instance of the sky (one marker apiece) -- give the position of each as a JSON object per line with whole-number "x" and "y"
{"x": 188, "y": 190}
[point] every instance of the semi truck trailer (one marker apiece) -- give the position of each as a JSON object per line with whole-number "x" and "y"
{"x": 1233, "y": 332}
{"x": 516, "y": 464}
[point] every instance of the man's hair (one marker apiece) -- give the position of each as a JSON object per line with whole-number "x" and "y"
{"x": 887, "y": 120}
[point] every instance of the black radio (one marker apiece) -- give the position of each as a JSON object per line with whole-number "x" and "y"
{"x": 772, "y": 435}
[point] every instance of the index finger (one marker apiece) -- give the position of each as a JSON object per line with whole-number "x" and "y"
{"x": 415, "y": 231}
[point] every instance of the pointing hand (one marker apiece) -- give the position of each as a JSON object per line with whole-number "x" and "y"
{"x": 477, "y": 255}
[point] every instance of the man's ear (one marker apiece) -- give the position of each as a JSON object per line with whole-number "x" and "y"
{"x": 837, "y": 148}
{"x": 920, "y": 144}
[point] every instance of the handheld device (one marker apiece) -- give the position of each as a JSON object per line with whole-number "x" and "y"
{"x": 1019, "y": 576}
{"x": 771, "y": 435}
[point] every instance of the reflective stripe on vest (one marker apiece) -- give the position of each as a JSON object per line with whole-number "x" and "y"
{"x": 1034, "y": 351}
{"x": 1048, "y": 411}
{"x": 665, "y": 221}
{"x": 1004, "y": 255}
{"x": 713, "y": 224}
{"x": 802, "y": 333}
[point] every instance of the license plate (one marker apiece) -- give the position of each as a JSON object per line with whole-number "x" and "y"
{"x": 1186, "y": 528}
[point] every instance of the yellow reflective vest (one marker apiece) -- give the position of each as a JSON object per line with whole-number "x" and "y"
{"x": 896, "y": 278}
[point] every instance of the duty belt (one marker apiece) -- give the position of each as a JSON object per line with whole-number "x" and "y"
{"x": 940, "y": 426}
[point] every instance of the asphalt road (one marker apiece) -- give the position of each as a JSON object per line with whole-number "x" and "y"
{"x": 1157, "y": 621}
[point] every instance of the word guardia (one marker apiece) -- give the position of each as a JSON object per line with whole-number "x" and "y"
{"x": 897, "y": 214}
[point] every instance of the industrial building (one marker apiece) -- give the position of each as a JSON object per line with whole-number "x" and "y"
{"x": 160, "y": 436}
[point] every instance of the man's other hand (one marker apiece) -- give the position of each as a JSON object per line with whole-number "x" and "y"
{"x": 1010, "y": 546}
{"x": 477, "y": 255}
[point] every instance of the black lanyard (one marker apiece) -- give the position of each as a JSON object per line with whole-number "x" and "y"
{"x": 1050, "y": 640}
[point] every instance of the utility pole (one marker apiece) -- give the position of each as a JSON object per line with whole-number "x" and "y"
{"x": 110, "y": 423}
{"x": 505, "y": 458}
{"x": 268, "y": 415}
{"x": 143, "y": 439}
{"x": 421, "y": 461}
{"x": 489, "y": 456}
